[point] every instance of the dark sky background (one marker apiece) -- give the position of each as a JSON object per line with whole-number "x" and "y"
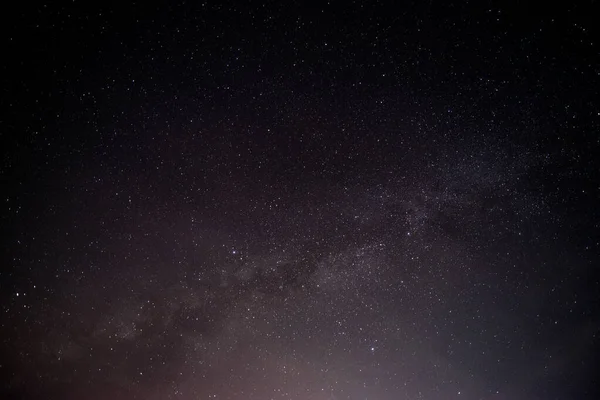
{"x": 357, "y": 200}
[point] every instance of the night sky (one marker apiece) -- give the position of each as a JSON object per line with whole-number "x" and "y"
{"x": 263, "y": 201}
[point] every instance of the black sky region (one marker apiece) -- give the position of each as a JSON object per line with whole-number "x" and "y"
{"x": 289, "y": 200}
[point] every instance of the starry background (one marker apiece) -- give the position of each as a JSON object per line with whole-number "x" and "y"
{"x": 283, "y": 201}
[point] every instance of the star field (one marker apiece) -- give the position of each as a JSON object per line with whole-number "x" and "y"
{"x": 283, "y": 201}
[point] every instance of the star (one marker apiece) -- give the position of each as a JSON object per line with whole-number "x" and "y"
{"x": 258, "y": 201}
